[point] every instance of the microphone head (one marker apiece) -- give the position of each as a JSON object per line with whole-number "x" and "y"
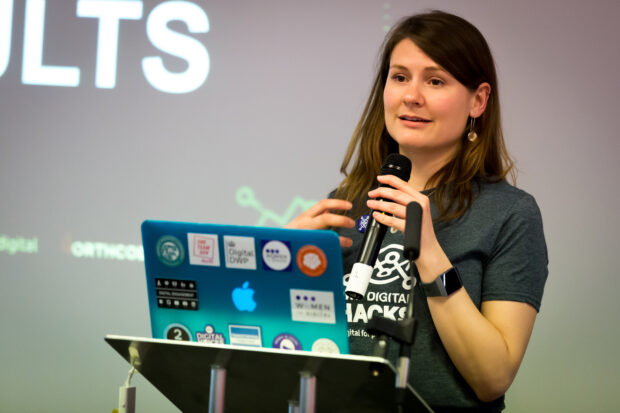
{"x": 397, "y": 165}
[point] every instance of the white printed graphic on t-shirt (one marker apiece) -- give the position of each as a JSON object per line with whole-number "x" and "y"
{"x": 390, "y": 266}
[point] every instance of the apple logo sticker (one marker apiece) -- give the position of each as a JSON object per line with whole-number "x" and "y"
{"x": 243, "y": 297}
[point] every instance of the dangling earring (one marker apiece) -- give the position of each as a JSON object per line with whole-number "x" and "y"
{"x": 472, "y": 135}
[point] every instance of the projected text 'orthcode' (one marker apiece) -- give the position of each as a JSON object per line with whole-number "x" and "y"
{"x": 107, "y": 251}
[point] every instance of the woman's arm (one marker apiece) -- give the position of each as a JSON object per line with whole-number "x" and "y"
{"x": 485, "y": 345}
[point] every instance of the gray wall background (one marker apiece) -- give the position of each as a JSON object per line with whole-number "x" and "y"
{"x": 287, "y": 84}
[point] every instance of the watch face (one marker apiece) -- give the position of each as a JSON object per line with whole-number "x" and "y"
{"x": 451, "y": 280}
{"x": 444, "y": 285}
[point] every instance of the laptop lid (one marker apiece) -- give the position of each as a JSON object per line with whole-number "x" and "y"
{"x": 242, "y": 285}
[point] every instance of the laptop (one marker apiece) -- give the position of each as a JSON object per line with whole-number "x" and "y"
{"x": 247, "y": 286}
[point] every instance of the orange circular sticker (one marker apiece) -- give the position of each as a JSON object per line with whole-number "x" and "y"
{"x": 311, "y": 260}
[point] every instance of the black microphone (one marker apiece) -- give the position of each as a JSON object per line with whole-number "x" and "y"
{"x": 399, "y": 166}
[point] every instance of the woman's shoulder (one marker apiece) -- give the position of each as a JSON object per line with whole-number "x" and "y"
{"x": 502, "y": 193}
{"x": 501, "y": 202}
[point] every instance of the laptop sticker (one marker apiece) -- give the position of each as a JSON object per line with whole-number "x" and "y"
{"x": 311, "y": 260}
{"x": 243, "y": 298}
{"x": 170, "y": 251}
{"x": 178, "y": 332}
{"x": 210, "y": 336}
{"x": 203, "y": 249}
{"x": 276, "y": 255}
{"x": 313, "y": 306}
{"x": 176, "y": 294}
{"x": 240, "y": 252}
{"x": 286, "y": 341}
{"x": 325, "y": 345}
{"x": 245, "y": 335}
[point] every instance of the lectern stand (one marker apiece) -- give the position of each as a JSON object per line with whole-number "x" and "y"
{"x": 216, "y": 378}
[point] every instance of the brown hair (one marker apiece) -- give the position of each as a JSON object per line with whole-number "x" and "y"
{"x": 458, "y": 47}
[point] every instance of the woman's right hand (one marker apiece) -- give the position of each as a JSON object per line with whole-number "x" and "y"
{"x": 319, "y": 216}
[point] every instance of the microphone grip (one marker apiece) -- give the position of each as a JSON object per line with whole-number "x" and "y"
{"x": 371, "y": 244}
{"x": 365, "y": 262}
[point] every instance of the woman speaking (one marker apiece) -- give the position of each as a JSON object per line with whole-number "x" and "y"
{"x": 435, "y": 100}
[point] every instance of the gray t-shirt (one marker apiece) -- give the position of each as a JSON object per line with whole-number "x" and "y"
{"x": 499, "y": 249}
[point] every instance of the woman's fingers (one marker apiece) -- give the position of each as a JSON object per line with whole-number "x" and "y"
{"x": 333, "y": 220}
{"x": 390, "y": 201}
{"x": 390, "y": 221}
{"x": 399, "y": 196}
{"x": 319, "y": 216}
{"x": 398, "y": 191}
{"x": 388, "y": 207}
{"x": 393, "y": 181}
{"x": 326, "y": 205}
{"x": 345, "y": 242}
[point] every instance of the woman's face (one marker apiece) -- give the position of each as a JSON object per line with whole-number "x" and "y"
{"x": 426, "y": 109}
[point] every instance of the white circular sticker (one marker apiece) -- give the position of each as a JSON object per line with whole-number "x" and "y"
{"x": 276, "y": 255}
{"x": 325, "y": 345}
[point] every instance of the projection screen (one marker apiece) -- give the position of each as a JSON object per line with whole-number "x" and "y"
{"x": 113, "y": 112}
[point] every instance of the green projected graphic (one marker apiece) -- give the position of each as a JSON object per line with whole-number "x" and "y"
{"x": 245, "y": 198}
{"x": 386, "y": 17}
{"x": 14, "y": 245}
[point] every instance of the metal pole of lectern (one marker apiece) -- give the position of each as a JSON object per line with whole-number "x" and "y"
{"x": 217, "y": 392}
{"x": 293, "y": 406}
{"x": 307, "y": 392}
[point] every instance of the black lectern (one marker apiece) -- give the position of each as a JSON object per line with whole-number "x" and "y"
{"x": 216, "y": 378}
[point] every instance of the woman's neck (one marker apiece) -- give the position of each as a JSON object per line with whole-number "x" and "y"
{"x": 423, "y": 166}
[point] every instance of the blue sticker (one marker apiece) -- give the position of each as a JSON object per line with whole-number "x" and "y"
{"x": 362, "y": 223}
{"x": 286, "y": 341}
{"x": 243, "y": 298}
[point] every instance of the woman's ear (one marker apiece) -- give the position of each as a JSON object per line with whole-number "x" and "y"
{"x": 479, "y": 100}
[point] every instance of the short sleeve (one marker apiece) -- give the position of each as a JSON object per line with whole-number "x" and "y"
{"x": 517, "y": 269}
